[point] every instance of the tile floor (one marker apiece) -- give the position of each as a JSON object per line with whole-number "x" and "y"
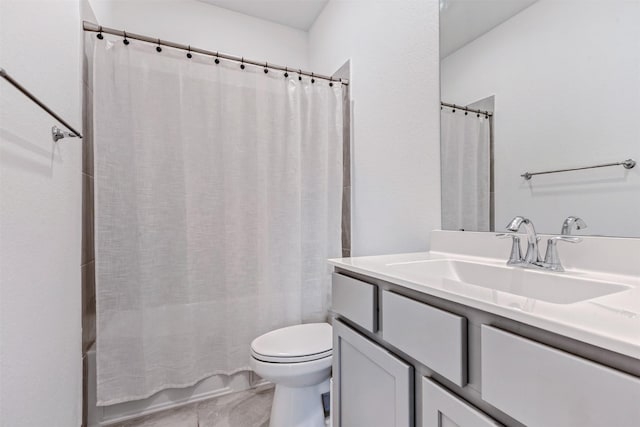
{"x": 249, "y": 408}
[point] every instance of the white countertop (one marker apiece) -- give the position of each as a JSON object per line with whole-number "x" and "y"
{"x": 611, "y": 321}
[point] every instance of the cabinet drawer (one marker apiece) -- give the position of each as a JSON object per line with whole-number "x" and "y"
{"x": 542, "y": 386}
{"x": 440, "y": 408}
{"x": 433, "y": 337}
{"x": 355, "y": 300}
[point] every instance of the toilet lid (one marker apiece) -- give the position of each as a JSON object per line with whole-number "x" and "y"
{"x": 297, "y": 343}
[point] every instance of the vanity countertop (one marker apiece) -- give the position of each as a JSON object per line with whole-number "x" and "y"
{"x": 610, "y": 321}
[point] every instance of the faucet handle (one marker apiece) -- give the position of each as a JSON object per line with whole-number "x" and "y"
{"x": 515, "y": 257}
{"x": 570, "y": 223}
{"x": 567, "y": 239}
{"x": 551, "y": 257}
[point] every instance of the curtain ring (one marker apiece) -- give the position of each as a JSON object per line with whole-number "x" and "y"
{"x": 454, "y": 108}
{"x": 331, "y": 81}
{"x": 286, "y": 72}
{"x": 100, "y": 36}
{"x": 125, "y": 41}
{"x": 189, "y": 55}
{"x": 242, "y": 64}
{"x": 299, "y": 74}
{"x": 217, "y": 61}
{"x": 158, "y": 48}
{"x": 266, "y": 67}
{"x": 312, "y": 79}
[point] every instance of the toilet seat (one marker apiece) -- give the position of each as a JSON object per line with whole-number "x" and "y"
{"x": 294, "y": 344}
{"x": 278, "y": 359}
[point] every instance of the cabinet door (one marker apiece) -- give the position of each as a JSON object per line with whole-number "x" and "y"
{"x": 371, "y": 386}
{"x": 443, "y": 409}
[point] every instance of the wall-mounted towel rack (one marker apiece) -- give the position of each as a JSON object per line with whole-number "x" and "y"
{"x": 628, "y": 164}
{"x": 56, "y": 132}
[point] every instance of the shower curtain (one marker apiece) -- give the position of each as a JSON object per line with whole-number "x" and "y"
{"x": 465, "y": 157}
{"x": 217, "y": 202}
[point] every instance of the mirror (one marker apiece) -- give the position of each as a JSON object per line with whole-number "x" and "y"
{"x": 540, "y": 86}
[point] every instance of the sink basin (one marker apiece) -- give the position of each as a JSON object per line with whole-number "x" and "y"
{"x": 556, "y": 288}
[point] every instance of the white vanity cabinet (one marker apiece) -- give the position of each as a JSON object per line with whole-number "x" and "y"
{"x": 441, "y": 408}
{"x": 372, "y": 387}
{"x": 400, "y": 354}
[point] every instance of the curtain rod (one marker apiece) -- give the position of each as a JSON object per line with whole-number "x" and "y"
{"x": 471, "y": 110}
{"x": 95, "y": 28}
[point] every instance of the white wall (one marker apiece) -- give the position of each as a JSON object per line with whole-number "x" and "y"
{"x": 200, "y": 24}
{"x": 393, "y": 48}
{"x": 566, "y": 76}
{"x": 40, "y": 336}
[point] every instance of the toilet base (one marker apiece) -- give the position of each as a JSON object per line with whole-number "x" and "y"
{"x": 298, "y": 406}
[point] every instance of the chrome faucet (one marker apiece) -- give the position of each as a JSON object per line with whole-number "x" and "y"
{"x": 570, "y": 223}
{"x": 532, "y": 256}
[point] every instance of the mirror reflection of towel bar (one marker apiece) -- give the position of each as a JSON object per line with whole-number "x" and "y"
{"x": 627, "y": 164}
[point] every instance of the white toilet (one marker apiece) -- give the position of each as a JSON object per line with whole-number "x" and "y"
{"x": 297, "y": 359}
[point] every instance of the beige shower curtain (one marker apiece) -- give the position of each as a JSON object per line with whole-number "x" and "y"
{"x": 465, "y": 156}
{"x": 218, "y": 200}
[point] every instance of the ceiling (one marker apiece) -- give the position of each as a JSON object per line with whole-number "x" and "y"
{"x": 300, "y": 14}
{"x": 462, "y": 21}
